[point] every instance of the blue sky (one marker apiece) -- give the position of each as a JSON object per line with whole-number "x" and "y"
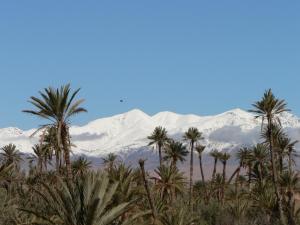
{"x": 201, "y": 57}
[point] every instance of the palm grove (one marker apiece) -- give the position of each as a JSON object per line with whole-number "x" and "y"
{"x": 58, "y": 190}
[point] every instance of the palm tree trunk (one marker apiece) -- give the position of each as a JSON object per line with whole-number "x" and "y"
{"x": 57, "y": 161}
{"x": 213, "y": 174}
{"x": 233, "y": 174}
{"x": 281, "y": 163}
{"x": 142, "y": 162}
{"x": 68, "y": 162}
{"x": 66, "y": 146}
{"x": 224, "y": 178}
{"x": 173, "y": 164}
{"x": 45, "y": 165}
{"x": 60, "y": 160}
{"x": 260, "y": 171}
{"x": 201, "y": 169}
{"x": 59, "y": 141}
{"x": 160, "y": 155}
{"x": 290, "y": 162}
{"x": 40, "y": 166}
{"x": 191, "y": 175}
{"x": 237, "y": 179}
{"x": 215, "y": 169}
{"x": 237, "y": 174}
{"x": 274, "y": 173}
{"x": 249, "y": 176}
{"x": 202, "y": 176}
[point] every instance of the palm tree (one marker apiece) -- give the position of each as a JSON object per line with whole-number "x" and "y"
{"x": 81, "y": 166}
{"x": 218, "y": 185}
{"x": 86, "y": 202}
{"x": 175, "y": 151}
{"x": 269, "y": 107}
{"x": 200, "y": 149}
{"x": 224, "y": 157}
{"x": 38, "y": 156}
{"x": 277, "y": 135}
{"x": 169, "y": 183}
{"x": 259, "y": 156}
{"x": 10, "y": 155}
{"x": 5, "y": 171}
{"x": 249, "y": 165}
{"x": 109, "y": 161}
{"x": 286, "y": 147}
{"x": 128, "y": 189}
{"x": 159, "y": 138}
{"x": 192, "y": 136}
{"x": 215, "y": 154}
{"x": 291, "y": 153}
{"x": 49, "y": 140}
{"x": 242, "y": 155}
{"x": 58, "y": 106}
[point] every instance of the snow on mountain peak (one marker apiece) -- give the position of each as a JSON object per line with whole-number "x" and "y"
{"x": 10, "y": 131}
{"x": 128, "y": 132}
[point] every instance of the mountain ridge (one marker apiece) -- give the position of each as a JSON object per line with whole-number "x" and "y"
{"x": 127, "y": 132}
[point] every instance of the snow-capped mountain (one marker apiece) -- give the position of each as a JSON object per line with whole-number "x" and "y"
{"x": 127, "y": 133}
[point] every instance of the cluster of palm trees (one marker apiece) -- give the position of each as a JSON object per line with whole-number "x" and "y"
{"x": 263, "y": 189}
{"x": 176, "y": 151}
{"x": 57, "y": 106}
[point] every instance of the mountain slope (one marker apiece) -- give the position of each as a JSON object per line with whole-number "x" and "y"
{"x": 127, "y": 133}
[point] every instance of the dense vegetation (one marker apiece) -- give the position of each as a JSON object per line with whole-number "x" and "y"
{"x": 56, "y": 190}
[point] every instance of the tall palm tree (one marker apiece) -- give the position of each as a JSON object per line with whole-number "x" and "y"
{"x": 200, "y": 149}
{"x": 169, "y": 183}
{"x": 159, "y": 137}
{"x": 58, "y": 106}
{"x": 175, "y": 151}
{"x": 193, "y": 135}
{"x": 11, "y": 155}
{"x": 268, "y": 108}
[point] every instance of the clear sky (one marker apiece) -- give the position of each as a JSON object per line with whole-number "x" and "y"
{"x": 201, "y": 57}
